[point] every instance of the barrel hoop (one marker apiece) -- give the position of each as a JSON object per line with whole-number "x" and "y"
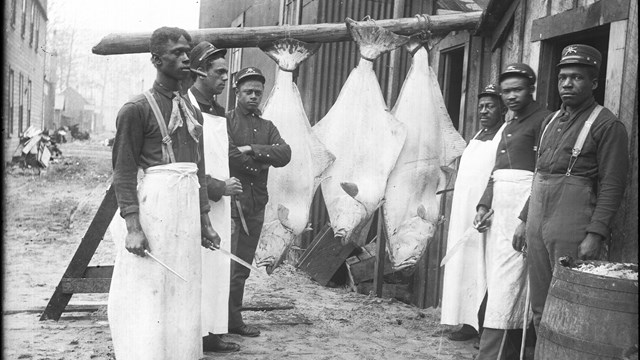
{"x": 606, "y": 304}
{"x": 596, "y": 281}
{"x": 584, "y": 346}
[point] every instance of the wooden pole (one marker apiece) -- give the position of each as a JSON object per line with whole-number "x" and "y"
{"x": 378, "y": 274}
{"x": 134, "y": 43}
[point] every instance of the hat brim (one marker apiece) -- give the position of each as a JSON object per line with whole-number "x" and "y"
{"x": 576, "y": 62}
{"x": 249, "y": 76}
{"x": 483, "y": 94}
{"x": 209, "y": 53}
{"x": 514, "y": 73}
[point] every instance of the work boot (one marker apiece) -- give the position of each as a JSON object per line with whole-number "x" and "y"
{"x": 245, "y": 330}
{"x": 214, "y": 343}
{"x": 465, "y": 333}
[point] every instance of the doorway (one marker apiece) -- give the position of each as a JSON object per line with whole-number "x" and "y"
{"x": 550, "y": 55}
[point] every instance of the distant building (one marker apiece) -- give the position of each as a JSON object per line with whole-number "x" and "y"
{"x": 25, "y": 24}
{"x": 71, "y": 108}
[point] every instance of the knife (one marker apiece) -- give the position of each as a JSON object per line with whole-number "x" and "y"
{"x": 237, "y": 259}
{"x": 465, "y": 238}
{"x": 242, "y": 219}
{"x": 164, "y": 265}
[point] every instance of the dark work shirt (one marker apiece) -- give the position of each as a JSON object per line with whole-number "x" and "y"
{"x": 488, "y": 134}
{"x": 268, "y": 149}
{"x": 517, "y": 147}
{"x": 603, "y": 159}
{"x": 138, "y": 144}
{"x": 210, "y": 106}
{"x": 215, "y": 187}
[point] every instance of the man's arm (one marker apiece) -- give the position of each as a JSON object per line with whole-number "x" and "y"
{"x": 216, "y": 188}
{"x": 240, "y": 161}
{"x": 612, "y": 157}
{"x": 277, "y": 153}
{"x": 483, "y": 207}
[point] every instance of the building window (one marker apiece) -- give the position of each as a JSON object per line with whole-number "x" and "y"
{"x": 32, "y": 22}
{"x": 11, "y": 102}
{"x": 20, "y": 103}
{"x": 24, "y": 18}
{"x": 28, "y": 91}
{"x": 37, "y": 35}
{"x": 13, "y": 13}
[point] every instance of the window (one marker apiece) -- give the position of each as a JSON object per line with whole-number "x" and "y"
{"x": 24, "y": 18}
{"x": 13, "y": 13}
{"x": 452, "y": 69}
{"x": 20, "y": 103}
{"x": 28, "y": 92}
{"x": 37, "y": 35}
{"x": 32, "y": 22}
{"x": 11, "y": 102}
{"x": 291, "y": 12}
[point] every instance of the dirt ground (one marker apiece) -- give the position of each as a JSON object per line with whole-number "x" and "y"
{"x": 46, "y": 216}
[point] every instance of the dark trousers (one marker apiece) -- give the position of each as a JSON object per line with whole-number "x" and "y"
{"x": 243, "y": 246}
{"x": 492, "y": 339}
{"x": 560, "y": 210}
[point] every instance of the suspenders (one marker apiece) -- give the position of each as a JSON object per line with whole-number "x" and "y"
{"x": 582, "y": 136}
{"x": 167, "y": 148}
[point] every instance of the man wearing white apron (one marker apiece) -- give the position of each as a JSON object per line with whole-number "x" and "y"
{"x": 153, "y": 313}
{"x": 506, "y": 193}
{"x": 464, "y": 275}
{"x": 215, "y": 267}
{"x": 580, "y": 179}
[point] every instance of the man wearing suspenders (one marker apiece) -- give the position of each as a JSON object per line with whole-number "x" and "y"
{"x": 580, "y": 175}
{"x": 153, "y": 313}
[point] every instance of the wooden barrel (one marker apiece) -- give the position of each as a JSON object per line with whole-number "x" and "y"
{"x": 588, "y": 317}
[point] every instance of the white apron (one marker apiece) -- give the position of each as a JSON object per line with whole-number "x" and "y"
{"x": 152, "y": 313}
{"x": 216, "y": 267}
{"x": 464, "y": 281}
{"x": 506, "y": 268}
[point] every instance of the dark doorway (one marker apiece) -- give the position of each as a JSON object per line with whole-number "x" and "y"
{"x": 550, "y": 54}
{"x": 450, "y": 78}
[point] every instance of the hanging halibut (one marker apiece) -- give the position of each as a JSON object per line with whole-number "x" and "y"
{"x": 291, "y": 188}
{"x": 363, "y": 135}
{"x": 411, "y": 208}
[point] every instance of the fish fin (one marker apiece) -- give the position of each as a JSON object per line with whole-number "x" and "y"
{"x": 289, "y": 53}
{"x": 422, "y": 212}
{"x": 350, "y": 188}
{"x": 308, "y": 228}
{"x": 447, "y": 169}
{"x": 453, "y": 144}
{"x": 283, "y": 216}
{"x": 373, "y": 40}
{"x": 413, "y": 45}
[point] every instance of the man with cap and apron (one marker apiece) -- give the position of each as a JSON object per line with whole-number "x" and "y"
{"x": 215, "y": 267}
{"x": 580, "y": 177}
{"x": 254, "y": 145}
{"x": 506, "y": 193}
{"x": 464, "y": 275}
{"x": 153, "y": 313}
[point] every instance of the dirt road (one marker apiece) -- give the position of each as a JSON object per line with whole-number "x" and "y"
{"x": 47, "y": 215}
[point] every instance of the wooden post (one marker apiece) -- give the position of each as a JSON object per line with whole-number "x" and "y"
{"x": 378, "y": 275}
{"x": 233, "y": 37}
{"x": 79, "y": 278}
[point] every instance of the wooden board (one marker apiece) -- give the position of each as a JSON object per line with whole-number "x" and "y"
{"x": 363, "y": 265}
{"x": 324, "y": 256}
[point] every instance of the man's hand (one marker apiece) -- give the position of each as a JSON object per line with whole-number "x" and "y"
{"x": 232, "y": 186}
{"x": 135, "y": 242}
{"x": 519, "y": 242}
{"x": 589, "y": 248}
{"x": 480, "y": 222}
{"x": 210, "y": 238}
{"x": 246, "y": 149}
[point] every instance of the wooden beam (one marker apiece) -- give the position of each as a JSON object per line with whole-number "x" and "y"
{"x": 381, "y": 244}
{"x": 615, "y": 66}
{"x": 78, "y": 264}
{"x": 133, "y": 43}
{"x": 500, "y": 32}
{"x": 84, "y": 285}
{"x": 580, "y": 18}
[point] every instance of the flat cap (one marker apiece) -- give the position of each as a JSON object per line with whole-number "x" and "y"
{"x": 518, "y": 69}
{"x": 582, "y": 55}
{"x": 490, "y": 90}
{"x": 202, "y": 51}
{"x": 247, "y": 73}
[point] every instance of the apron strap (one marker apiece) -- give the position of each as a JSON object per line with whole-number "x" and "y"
{"x": 577, "y": 148}
{"x": 167, "y": 149}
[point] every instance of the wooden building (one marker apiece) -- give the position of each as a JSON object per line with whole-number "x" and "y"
{"x": 530, "y": 31}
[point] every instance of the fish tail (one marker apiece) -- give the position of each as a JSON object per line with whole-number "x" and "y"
{"x": 289, "y": 53}
{"x": 373, "y": 40}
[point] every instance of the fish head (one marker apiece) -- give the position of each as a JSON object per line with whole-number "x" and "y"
{"x": 410, "y": 239}
{"x": 350, "y": 213}
{"x": 275, "y": 239}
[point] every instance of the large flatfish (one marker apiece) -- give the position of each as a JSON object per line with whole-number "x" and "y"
{"x": 363, "y": 135}
{"x": 291, "y": 188}
{"x": 412, "y": 208}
